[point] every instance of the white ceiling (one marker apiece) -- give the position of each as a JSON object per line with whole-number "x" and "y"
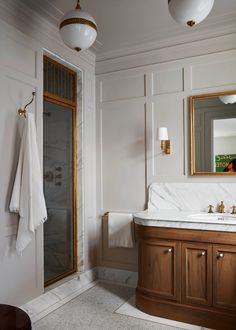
{"x": 126, "y": 24}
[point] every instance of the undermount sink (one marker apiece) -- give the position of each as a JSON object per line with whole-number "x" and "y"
{"x": 213, "y": 216}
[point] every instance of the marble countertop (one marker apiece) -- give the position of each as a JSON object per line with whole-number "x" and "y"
{"x": 186, "y": 220}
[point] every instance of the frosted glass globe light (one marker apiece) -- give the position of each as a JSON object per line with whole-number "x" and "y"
{"x": 190, "y": 12}
{"x": 78, "y": 29}
{"x": 228, "y": 99}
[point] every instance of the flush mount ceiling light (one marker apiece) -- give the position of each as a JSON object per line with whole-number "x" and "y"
{"x": 228, "y": 99}
{"x": 190, "y": 12}
{"x": 78, "y": 29}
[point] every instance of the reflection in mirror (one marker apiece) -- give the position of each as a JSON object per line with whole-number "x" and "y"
{"x": 213, "y": 134}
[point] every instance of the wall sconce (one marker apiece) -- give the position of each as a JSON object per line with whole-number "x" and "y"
{"x": 163, "y": 137}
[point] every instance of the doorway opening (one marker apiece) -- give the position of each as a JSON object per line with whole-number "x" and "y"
{"x": 59, "y": 168}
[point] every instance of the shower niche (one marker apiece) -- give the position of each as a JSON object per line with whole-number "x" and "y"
{"x": 59, "y": 171}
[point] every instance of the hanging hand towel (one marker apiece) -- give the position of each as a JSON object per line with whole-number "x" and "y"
{"x": 120, "y": 230}
{"x": 27, "y": 196}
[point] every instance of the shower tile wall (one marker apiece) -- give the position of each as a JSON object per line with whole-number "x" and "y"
{"x": 58, "y": 188}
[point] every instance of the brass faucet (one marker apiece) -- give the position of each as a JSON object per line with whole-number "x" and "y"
{"x": 233, "y": 210}
{"x": 210, "y": 208}
{"x": 221, "y": 207}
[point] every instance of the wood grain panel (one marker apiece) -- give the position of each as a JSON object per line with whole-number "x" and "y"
{"x": 197, "y": 273}
{"x": 157, "y": 271}
{"x": 218, "y": 237}
{"x": 224, "y": 276}
{"x": 203, "y": 317}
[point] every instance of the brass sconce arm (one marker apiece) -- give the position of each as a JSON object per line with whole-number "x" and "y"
{"x": 162, "y": 135}
{"x": 165, "y": 146}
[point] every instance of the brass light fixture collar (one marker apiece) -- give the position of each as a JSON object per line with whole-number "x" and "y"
{"x": 78, "y": 20}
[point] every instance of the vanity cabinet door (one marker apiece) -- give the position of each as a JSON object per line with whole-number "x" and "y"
{"x": 197, "y": 273}
{"x": 158, "y": 268}
{"x": 224, "y": 276}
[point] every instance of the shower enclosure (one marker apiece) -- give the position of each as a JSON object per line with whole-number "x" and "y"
{"x": 59, "y": 168}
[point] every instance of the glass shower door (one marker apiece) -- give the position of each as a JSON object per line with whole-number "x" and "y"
{"x": 59, "y": 189}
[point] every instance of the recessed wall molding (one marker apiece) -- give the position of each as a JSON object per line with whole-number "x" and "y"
{"x": 215, "y": 76}
{"x": 124, "y": 87}
{"x": 167, "y": 81}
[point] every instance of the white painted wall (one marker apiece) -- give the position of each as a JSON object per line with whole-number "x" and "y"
{"x": 134, "y": 97}
{"x": 225, "y": 145}
{"x": 23, "y": 36}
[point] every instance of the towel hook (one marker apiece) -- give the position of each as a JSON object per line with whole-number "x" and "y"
{"x": 23, "y": 112}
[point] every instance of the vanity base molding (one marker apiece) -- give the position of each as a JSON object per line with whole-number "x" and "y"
{"x": 188, "y": 276}
{"x": 183, "y": 313}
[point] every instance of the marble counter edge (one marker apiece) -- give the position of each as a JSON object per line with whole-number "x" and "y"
{"x": 183, "y": 224}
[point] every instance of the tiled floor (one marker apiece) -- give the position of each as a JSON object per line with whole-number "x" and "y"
{"x": 96, "y": 309}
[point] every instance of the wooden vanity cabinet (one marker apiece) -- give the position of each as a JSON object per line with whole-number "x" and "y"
{"x": 188, "y": 275}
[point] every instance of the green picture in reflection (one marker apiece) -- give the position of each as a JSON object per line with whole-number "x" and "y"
{"x": 225, "y": 163}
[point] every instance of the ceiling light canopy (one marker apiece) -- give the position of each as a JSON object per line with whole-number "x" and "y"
{"x": 190, "y": 12}
{"x": 78, "y": 29}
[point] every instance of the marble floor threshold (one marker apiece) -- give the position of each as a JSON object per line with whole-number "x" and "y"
{"x": 61, "y": 292}
{"x": 105, "y": 306}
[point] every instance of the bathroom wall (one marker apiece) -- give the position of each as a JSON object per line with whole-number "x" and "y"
{"x": 225, "y": 145}
{"x": 134, "y": 97}
{"x": 24, "y": 37}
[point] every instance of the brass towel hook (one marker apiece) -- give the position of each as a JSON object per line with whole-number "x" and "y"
{"x": 23, "y": 112}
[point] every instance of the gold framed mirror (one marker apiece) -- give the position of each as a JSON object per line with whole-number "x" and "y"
{"x": 213, "y": 133}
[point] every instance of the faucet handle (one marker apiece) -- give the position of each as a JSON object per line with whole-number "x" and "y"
{"x": 221, "y": 207}
{"x": 210, "y": 208}
{"x": 233, "y": 209}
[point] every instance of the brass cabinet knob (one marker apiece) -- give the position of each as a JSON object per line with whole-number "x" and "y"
{"x": 203, "y": 253}
{"x": 220, "y": 255}
{"x": 170, "y": 250}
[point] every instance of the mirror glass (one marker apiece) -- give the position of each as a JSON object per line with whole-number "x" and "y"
{"x": 213, "y": 134}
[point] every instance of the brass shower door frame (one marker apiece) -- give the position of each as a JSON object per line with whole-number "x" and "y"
{"x": 71, "y": 105}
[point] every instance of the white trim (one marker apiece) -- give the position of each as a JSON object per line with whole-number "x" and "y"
{"x": 167, "y": 54}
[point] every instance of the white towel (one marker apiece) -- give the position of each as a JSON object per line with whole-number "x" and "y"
{"x": 27, "y": 196}
{"x": 120, "y": 230}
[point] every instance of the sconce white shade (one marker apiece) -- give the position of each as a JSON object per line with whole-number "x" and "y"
{"x": 162, "y": 134}
{"x": 228, "y": 99}
{"x": 190, "y": 12}
{"x": 78, "y": 29}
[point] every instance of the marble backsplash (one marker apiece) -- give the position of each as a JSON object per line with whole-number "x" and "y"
{"x": 191, "y": 196}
